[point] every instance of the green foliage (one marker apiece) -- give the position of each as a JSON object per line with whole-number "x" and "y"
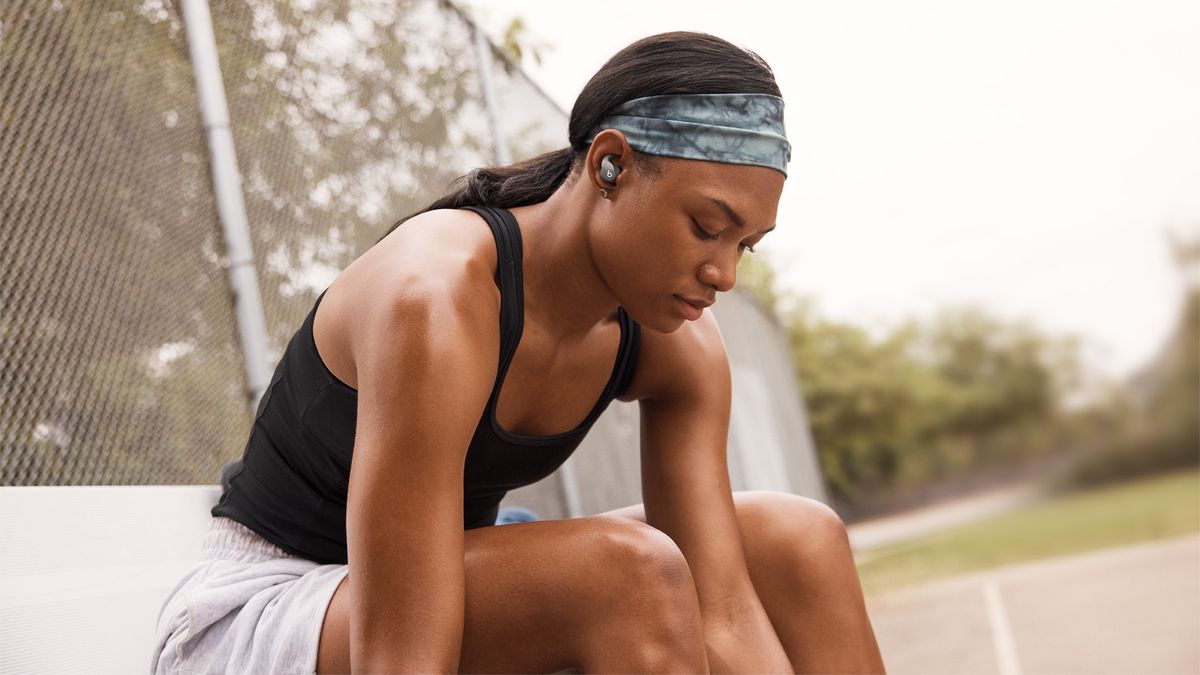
{"x": 965, "y": 392}
{"x": 924, "y": 402}
{"x": 1126, "y": 437}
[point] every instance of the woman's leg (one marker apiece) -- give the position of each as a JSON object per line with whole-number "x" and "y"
{"x": 596, "y": 594}
{"x": 803, "y": 571}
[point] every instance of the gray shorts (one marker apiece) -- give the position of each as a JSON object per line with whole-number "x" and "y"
{"x": 248, "y": 607}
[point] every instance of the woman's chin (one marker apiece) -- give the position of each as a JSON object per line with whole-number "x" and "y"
{"x": 665, "y": 325}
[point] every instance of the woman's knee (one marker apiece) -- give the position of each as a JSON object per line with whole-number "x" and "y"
{"x": 789, "y": 522}
{"x": 636, "y": 553}
{"x": 646, "y": 603}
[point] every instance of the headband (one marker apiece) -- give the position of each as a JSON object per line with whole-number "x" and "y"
{"x": 727, "y": 128}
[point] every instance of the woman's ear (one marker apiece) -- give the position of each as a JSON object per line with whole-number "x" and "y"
{"x": 607, "y": 161}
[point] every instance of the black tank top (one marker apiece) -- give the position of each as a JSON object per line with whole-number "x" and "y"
{"x": 290, "y": 484}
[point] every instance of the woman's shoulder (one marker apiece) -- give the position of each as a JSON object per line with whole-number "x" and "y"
{"x": 448, "y": 250}
{"x": 436, "y": 245}
{"x": 435, "y": 261}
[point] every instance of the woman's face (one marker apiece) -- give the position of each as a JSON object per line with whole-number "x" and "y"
{"x": 676, "y": 235}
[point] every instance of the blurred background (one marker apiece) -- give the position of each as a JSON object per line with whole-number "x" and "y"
{"x": 975, "y": 332}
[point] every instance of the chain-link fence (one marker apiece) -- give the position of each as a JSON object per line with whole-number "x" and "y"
{"x": 118, "y": 357}
{"x": 120, "y": 361}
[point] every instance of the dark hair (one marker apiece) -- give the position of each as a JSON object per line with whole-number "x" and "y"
{"x": 668, "y": 63}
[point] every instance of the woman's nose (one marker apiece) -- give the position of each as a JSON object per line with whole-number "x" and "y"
{"x": 721, "y": 275}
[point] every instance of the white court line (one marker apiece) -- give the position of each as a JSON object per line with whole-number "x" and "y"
{"x": 1002, "y": 638}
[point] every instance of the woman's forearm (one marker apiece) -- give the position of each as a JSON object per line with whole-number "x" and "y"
{"x": 411, "y": 620}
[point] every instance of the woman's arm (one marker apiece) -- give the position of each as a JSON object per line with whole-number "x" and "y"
{"x": 684, "y": 392}
{"x": 425, "y": 359}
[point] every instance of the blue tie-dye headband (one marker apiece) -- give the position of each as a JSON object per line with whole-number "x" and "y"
{"x": 727, "y": 128}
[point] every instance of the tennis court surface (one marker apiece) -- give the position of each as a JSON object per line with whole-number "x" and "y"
{"x": 1133, "y": 609}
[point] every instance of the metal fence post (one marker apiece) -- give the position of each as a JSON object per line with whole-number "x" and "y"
{"x": 227, "y": 187}
{"x": 483, "y": 55}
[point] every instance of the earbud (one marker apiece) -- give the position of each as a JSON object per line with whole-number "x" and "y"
{"x": 608, "y": 170}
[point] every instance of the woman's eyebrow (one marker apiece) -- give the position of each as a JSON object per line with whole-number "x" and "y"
{"x": 733, "y": 215}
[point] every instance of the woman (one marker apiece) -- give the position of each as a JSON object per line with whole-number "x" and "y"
{"x": 456, "y": 359}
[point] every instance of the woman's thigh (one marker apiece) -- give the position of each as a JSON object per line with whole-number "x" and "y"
{"x": 559, "y": 594}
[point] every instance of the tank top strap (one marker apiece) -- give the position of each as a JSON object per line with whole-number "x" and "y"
{"x": 512, "y": 290}
{"x": 512, "y": 304}
{"x": 631, "y": 335}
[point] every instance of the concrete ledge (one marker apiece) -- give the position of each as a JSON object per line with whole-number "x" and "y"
{"x": 85, "y": 570}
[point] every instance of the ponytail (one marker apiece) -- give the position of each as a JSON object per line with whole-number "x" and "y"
{"x": 528, "y": 182}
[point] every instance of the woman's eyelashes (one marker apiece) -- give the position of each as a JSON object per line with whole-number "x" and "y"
{"x": 703, "y": 233}
{"x": 708, "y": 236}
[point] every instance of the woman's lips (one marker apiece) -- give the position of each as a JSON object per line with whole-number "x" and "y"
{"x": 690, "y": 311}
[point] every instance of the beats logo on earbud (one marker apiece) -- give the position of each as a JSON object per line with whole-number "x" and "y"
{"x": 608, "y": 170}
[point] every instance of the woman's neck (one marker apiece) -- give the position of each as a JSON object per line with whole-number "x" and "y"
{"x": 564, "y": 291}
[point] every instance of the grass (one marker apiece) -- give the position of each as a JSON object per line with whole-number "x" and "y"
{"x": 1151, "y": 508}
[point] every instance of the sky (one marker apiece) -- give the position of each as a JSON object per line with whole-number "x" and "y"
{"x": 1027, "y": 157}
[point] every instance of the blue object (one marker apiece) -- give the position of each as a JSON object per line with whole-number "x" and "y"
{"x": 515, "y": 514}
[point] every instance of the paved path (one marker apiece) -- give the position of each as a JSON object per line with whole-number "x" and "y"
{"x": 1133, "y": 609}
{"x": 926, "y": 520}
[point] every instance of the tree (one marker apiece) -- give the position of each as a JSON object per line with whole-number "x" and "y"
{"x": 924, "y": 402}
